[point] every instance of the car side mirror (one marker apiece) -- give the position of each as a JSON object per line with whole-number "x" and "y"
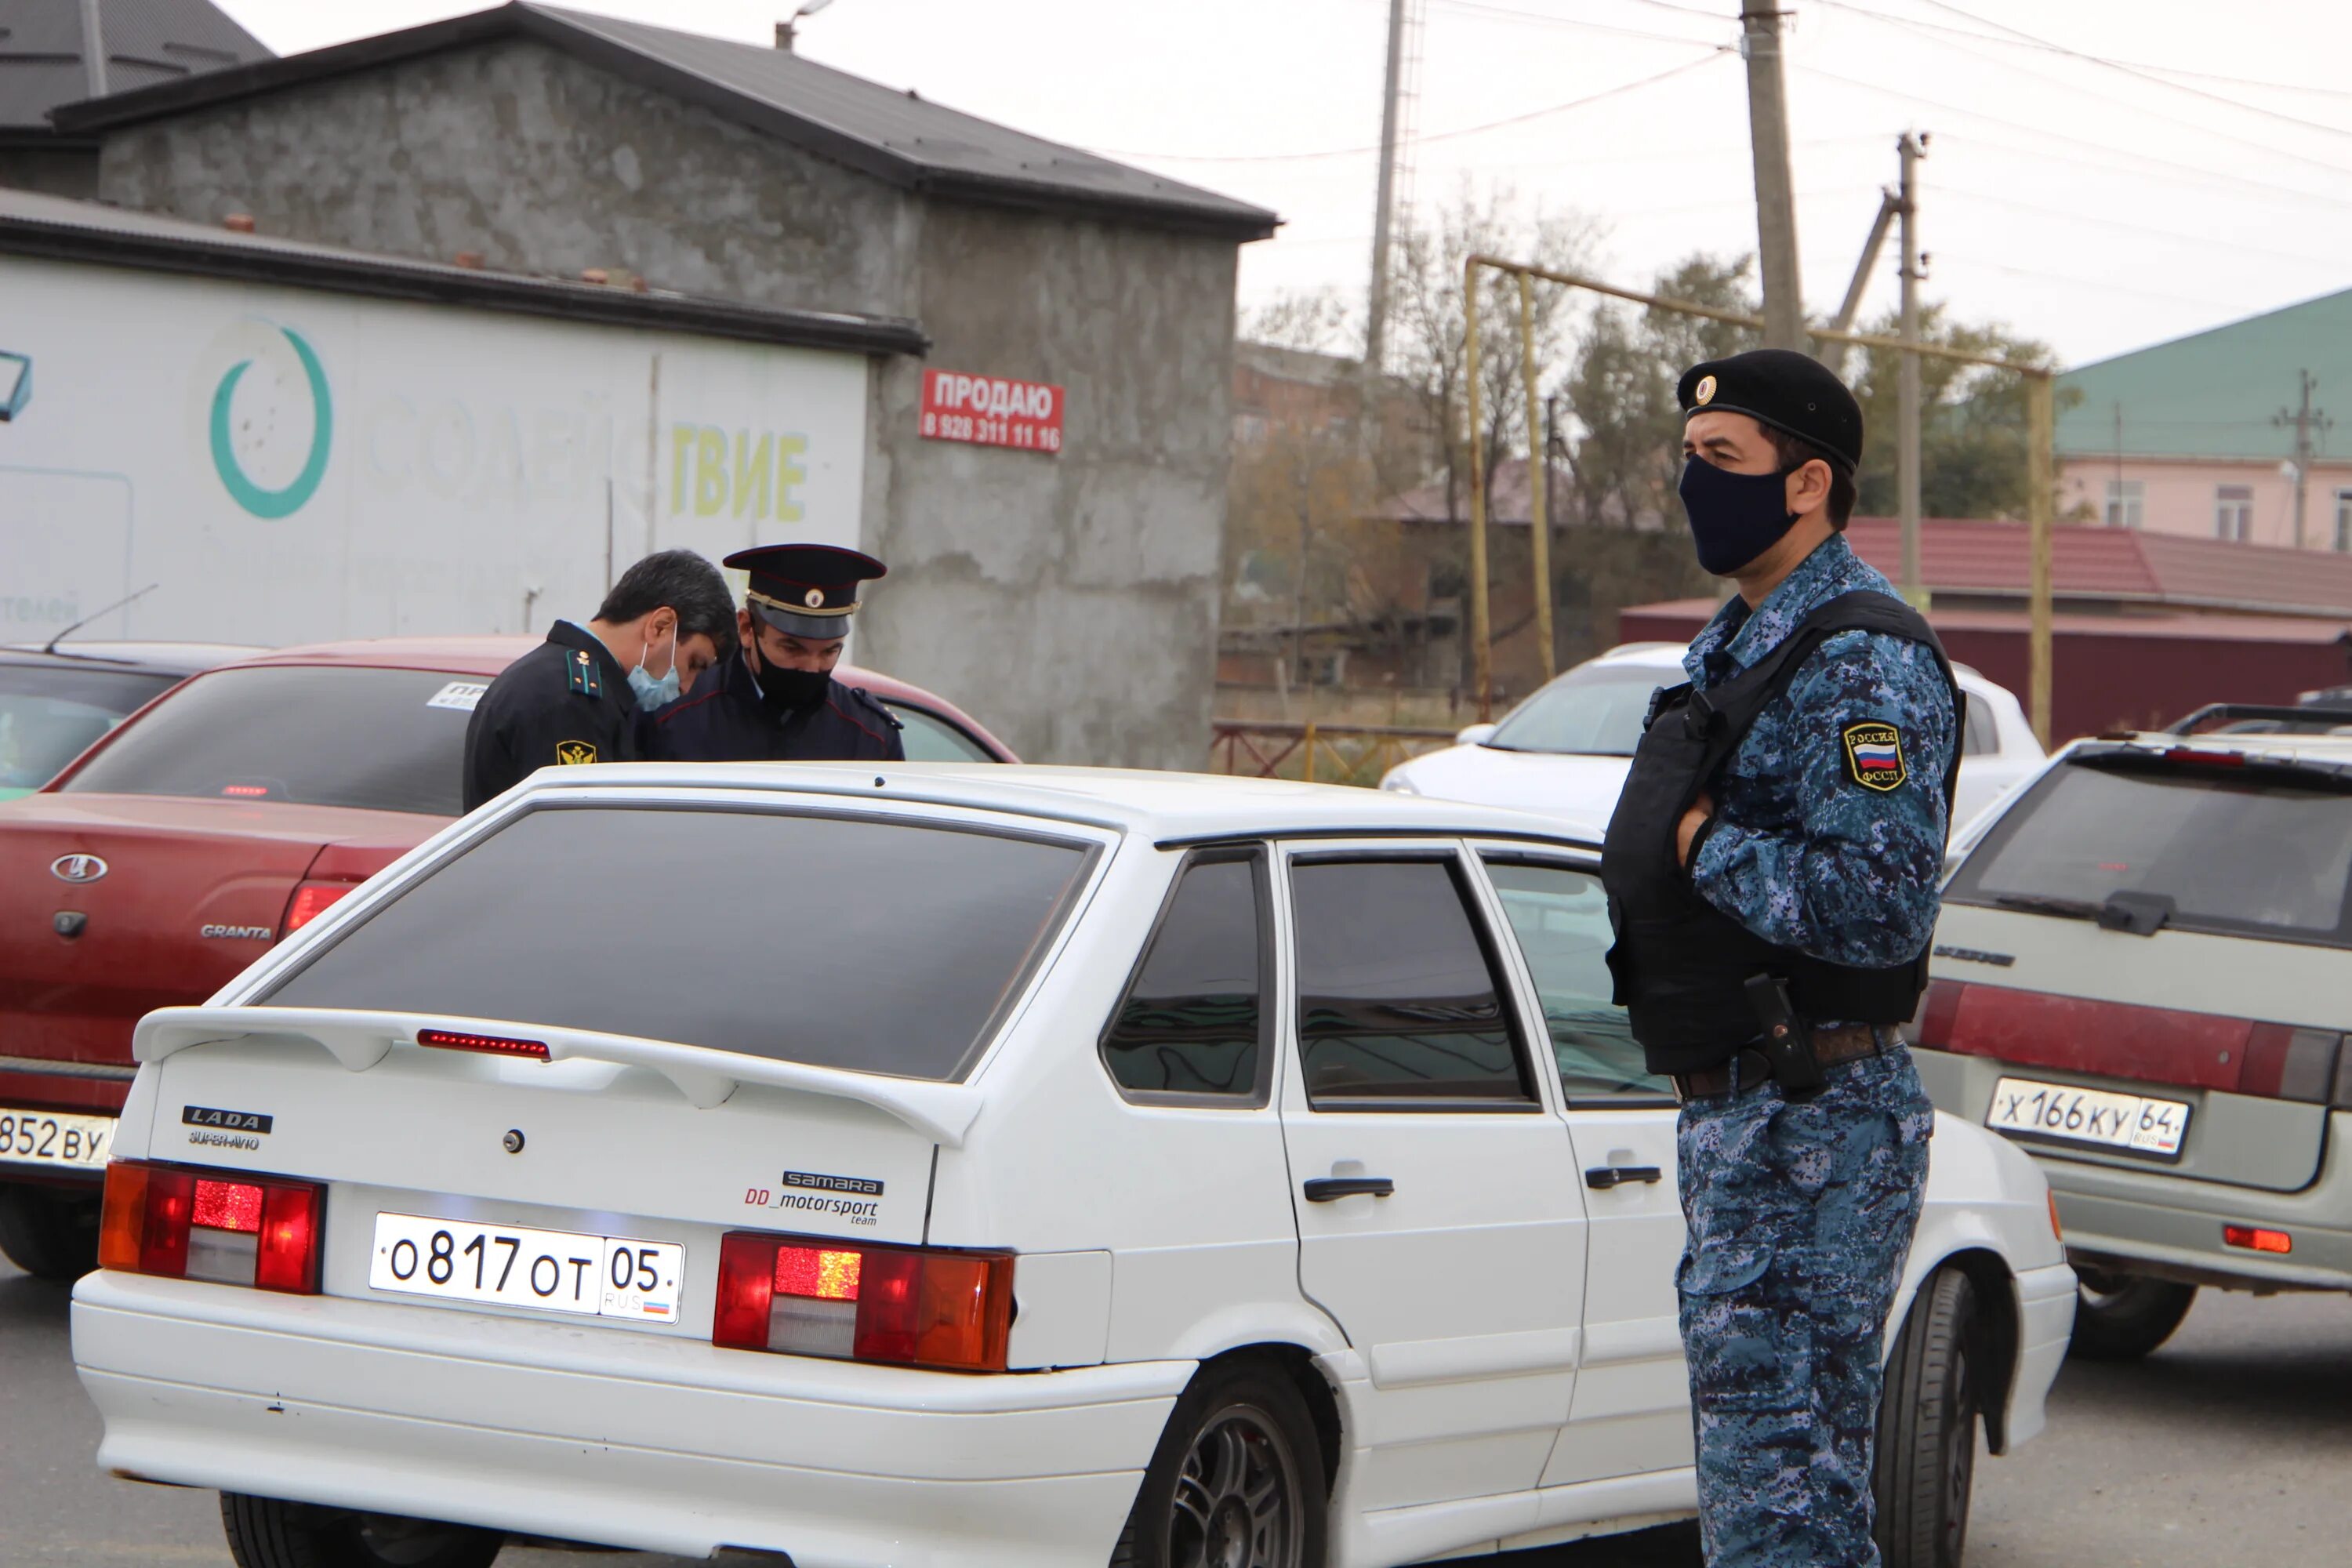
{"x": 1475, "y": 735}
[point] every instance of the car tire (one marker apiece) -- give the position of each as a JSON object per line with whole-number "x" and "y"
{"x": 48, "y": 1234}
{"x": 2122, "y": 1317}
{"x": 1927, "y": 1428}
{"x": 264, "y": 1532}
{"x": 1238, "y": 1478}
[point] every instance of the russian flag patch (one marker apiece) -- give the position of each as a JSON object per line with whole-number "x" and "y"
{"x": 1874, "y": 756}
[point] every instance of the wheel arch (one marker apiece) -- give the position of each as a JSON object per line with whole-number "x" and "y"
{"x": 1295, "y": 1363}
{"x": 1994, "y": 1341}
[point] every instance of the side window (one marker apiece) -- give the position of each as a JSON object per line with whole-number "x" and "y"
{"x": 1193, "y": 1022}
{"x": 1562, "y": 920}
{"x": 1399, "y": 1000}
{"x": 931, "y": 739}
{"x": 1981, "y": 737}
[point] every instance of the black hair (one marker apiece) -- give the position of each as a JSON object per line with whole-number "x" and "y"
{"x": 1794, "y": 452}
{"x": 682, "y": 581}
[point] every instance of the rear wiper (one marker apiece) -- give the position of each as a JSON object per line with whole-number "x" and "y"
{"x": 2041, "y": 904}
{"x": 2141, "y": 914}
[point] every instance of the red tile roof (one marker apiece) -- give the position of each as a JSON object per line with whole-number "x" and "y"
{"x": 2125, "y": 565}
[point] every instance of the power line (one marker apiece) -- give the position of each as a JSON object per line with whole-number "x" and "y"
{"x": 1914, "y": 100}
{"x": 2333, "y": 263}
{"x": 1912, "y": 25}
{"x": 1424, "y": 140}
{"x": 2238, "y": 183}
{"x": 2135, "y": 67}
{"x": 1544, "y": 19}
{"x": 2097, "y": 285}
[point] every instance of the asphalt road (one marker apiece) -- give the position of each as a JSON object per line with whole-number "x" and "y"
{"x": 2234, "y": 1444}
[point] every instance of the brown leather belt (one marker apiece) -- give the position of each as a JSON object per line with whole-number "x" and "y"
{"x": 1848, "y": 1043}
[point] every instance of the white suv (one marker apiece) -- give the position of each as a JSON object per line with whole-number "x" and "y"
{"x": 2144, "y": 973}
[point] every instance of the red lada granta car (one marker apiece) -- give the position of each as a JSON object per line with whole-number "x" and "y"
{"x": 184, "y": 843}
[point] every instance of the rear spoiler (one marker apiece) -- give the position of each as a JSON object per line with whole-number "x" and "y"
{"x": 940, "y": 1111}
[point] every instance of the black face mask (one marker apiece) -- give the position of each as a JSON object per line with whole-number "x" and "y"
{"x": 1733, "y": 518}
{"x": 787, "y": 692}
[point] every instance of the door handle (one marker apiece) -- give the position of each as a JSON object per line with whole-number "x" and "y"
{"x": 1601, "y": 1178}
{"x": 1327, "y": 1189}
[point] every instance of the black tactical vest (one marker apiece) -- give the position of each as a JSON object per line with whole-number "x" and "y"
{"x": 1681, "y": 964}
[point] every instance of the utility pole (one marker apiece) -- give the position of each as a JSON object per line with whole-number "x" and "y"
{"x": 1775, "y": 213}
{"x": 2307, "y": 420}
{"x": 1906, "y": 419}
{"x": 93, "y": 44}
{"x": 1834, "y": 353}
{"x": 1376, "y": 324}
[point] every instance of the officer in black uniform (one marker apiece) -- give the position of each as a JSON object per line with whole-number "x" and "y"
{"x": 579, "y": 696}
{"x": 778, "y": 702}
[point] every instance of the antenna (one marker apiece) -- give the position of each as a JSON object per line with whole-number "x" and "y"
{"x": 52, "y": 646}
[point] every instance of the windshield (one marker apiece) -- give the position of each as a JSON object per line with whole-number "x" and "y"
{"x": 880, "y": 946}
{"x": 1595, "y": 709}
{"x": 50, "y": 713}
{"x": 2268, "y": 857}
{"x": 382, "y": 740}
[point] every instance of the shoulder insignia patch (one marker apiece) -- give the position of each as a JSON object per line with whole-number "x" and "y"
{"x": 573, "y": 754}
{"x": 583, "y": 675}
{"x": 1874, "y": 756}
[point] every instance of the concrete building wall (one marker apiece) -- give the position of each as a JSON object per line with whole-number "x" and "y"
{"x": 538, "y": 162}
{"x": 1075, "y": 595}
{"x": 1069, "y": 602}
{"x": 2192, "y": 497}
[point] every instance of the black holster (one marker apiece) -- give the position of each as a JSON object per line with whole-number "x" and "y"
{"x": 1787, "y": 1041}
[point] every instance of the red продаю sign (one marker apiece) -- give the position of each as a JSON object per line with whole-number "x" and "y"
{"x": 991, "y": 411}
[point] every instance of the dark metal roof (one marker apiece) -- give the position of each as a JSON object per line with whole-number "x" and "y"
{"x": 45, "y": 59}
{"x": 894, "y": 136}
{"x": 55, "y": 228}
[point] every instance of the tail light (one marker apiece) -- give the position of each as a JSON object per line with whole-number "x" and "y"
{"x": 311, "y": 900}
{"x": 909, "y": 1306}
{"x": 1931, "y": 1026}
{"x": 224, "y": 1227}
{"x": 2056, "y": 1229}
{"x": 2254, "y": 1239}
{"x": 2286, "y": 1063}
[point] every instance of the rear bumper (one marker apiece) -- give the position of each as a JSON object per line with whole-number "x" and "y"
{"x": 617, "y": 1438}
{"x": 2170, "y": 1221}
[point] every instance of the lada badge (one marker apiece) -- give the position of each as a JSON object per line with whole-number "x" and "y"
{"x": 77, "y": 869}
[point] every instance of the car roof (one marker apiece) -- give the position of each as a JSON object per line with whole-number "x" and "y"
{"x": 1669, "y": 655}
{"x": 166, "y": 657}
{"x": 1168, "y": 807}
{"x": 486, "y": 656}
{"x": 2319, "y": 748}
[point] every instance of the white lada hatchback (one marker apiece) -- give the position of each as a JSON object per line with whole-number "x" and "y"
{"x": 999, "y": 1166}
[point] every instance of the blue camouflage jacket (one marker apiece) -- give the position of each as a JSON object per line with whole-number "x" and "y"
{"x": 1799, "y": 851}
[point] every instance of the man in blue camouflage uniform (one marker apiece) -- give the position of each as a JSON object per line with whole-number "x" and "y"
{"x": 1785, "y": 818}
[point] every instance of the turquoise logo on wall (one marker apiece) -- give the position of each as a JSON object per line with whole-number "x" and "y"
{"x": 289, "y": 501}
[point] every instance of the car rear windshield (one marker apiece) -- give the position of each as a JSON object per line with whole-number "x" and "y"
{"x": 2264, "y": 856}
{"x": 1593, "y": 712}
{"x": 385, "y": 739}
{"x": 882, "y": 946}
{"x": 50, "y": 713}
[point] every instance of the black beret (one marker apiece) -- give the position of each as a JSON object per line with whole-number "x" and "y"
{"x": 1794, "y": 394}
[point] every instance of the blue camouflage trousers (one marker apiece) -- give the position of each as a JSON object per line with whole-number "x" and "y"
{"x": 1800, "y": 1217}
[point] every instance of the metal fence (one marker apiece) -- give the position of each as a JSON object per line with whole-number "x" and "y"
{"x": 1324, "y": 754}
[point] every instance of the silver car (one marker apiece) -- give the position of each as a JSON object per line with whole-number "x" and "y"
{"x": 2144, "y": 974}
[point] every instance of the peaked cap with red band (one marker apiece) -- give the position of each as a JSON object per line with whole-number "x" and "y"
{"x": 806, "y": 590}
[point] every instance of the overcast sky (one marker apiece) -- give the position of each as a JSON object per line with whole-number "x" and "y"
{"x": 2204, "y": 174}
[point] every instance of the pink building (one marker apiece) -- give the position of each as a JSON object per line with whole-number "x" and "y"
{"x": 2204, "y": 435}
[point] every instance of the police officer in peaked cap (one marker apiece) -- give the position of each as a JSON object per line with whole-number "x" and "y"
{"x": 581, "y": 695}
{"x": 1772, "y": 870}
{"x": 779, "y": 702}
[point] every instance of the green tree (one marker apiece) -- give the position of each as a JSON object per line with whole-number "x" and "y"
{"x": 1972, "y": 421}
